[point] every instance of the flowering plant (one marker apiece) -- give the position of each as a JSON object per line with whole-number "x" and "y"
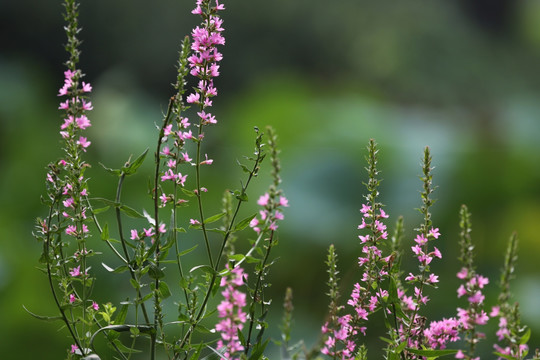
{"x": 221, "y": 303}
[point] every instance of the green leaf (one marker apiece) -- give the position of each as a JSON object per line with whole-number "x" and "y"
{"x": 219, "y": 231}
{"x": 392, "y": 292}
{"x": 206, "y": 268}
{"x": 124, "y": 348}
{"x": 120, "y": 269}
{"x": 188, "y": 192}
{"x": 164, "y": 289}
{"x": 100, "y": 210}
{"x": 135, "y": 284}
{"x": 122, "y": 314}
{"x": 116, "y": 172}
{"x": 244, "y": 167}
{"x": 131, "y": 212}
{"x": 400, "y": 347}
{"x": 106, "y": 201}
{"x": 182, "y": 253}
{"x": 214, "y": 218}
{"x": 244, "y": 223}
{"x": 40, "y": 317}
{"x": 105, "y": 232}
{"x": 132, "y": 168}
{"x": 504, "y": 356}
{"x": 242, "y": 196}
{"x": 197, "y": 353}
{"x": 525, "y": 338}
{"x": 237, "y": 257}
{"x": 432, "y": 353}
{"x": 155, "y": 272}
{"x": 258, "y": 350}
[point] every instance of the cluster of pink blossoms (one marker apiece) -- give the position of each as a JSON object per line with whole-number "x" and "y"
{"x": 472, "y": 289}
{"x": 270, "y": 214}
{"x": 342, "y": 333}
{"x": 503, "y": 332}
{"x": 204, "y": 61}
{"x": 73, "y": 185}
{"x": 363, "y": 301}
{"x": 174, "y": 158}
{"x": 75, "y": 108}
{"x": 375, "y": 266}
{"x": 231, "y": 313}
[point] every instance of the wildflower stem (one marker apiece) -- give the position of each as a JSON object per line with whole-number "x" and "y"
{"x": 157, "y": 298}
{"x": 46, "y": 250}
{"x": 198, "y": 184}
{"x": 256, "y": 296}
{"x": 127, "y": 259}
{"x": 240, "y": 199}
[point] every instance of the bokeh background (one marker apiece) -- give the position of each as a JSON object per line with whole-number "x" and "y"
{"x": 459, "y": 76}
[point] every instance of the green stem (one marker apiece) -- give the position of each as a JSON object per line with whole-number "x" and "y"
{"x": 157, "y": 300}
{"x": 256, "y": 296}
{"x": 124, "y": 246}
{"x": 49, "y": 276}
{"x": 224, "y": 243}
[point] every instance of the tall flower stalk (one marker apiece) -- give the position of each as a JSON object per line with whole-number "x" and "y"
{"x": 66, "y": 226}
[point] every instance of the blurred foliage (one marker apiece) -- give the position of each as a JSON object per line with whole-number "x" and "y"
{"x": 457, "y": 76}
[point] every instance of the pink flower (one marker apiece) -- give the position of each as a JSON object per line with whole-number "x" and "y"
{"x": 482, "y": 281}
{"x": 68, "y": 121}
{"x": 166, "y": 151}
{"x": 148, "y": 232}
{"x": 75, "y": 271}
{"x": 162, "y": 229}
{"x": 263, "y": 200}
{"x": 167, "y": 130}
{"x": 461, "y": 290}
{"x": 71, "y": 230}
{"x": 95, "y": 305}
{"x": 82, "y": 122}
{"x": 207, "y": 161}
{"x": 435, "y": 233}
{"x": 476, "y": 298}
{"x": 87, "y": 105}
{"x": 181, "y": 179}
{"x": 83, "y": 142}
{"x": 164, "y": 198}
{"x": 72, "y": 298}
{"x": 134, "y": 235}
{"x": 437, "y": 253}
{"x": 194, "y": 222}
{"x": 283, "y": 201}
{"x": 462, "y": 274}
{"x": 420, "y": 239}
{"x": 365, "y": 210}
{"x": 193, "y": 98}
{"x": 86, "y": 87}
{"x": 74, "y": 348}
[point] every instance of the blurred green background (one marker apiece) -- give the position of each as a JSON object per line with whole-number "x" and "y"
{"x": 459, "y": 76}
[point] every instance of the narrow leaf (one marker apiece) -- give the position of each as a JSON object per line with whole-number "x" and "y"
{"x": 182, "y": 253}
{"x": 214, "y": 218}
{"x": 431, "y": 353}
{"x": 132, "y": 168}
{"x": 206, "y": 268}
{"x": 131, "y": 212}
{"x": 244, "y": 223}
{"x": 40, "y": 317}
